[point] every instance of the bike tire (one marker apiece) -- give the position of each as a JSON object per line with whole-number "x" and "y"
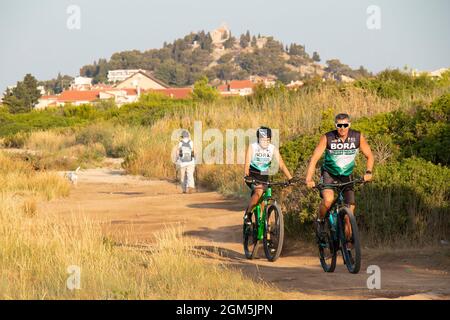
{"x": 250, "y": 235}
{"x": 273, "y": 232}
{"x": 351, "y": 255}
{"x": 328, "y": 257}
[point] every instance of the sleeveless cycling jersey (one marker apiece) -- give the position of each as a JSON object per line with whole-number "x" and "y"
{"x": 261, "y": 157}
{"x": 340, "y": 155}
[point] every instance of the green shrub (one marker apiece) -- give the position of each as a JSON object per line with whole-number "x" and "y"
{"x": 409, "y": 200}
{"x": 97, "y": 133}
{"x": 84, "y": 111}
{"x": 397, "y": 84}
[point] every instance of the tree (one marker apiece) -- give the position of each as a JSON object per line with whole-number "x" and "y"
{"x": 172, "y": 73}
{"x": 316, "y": 57}
{"x": 224, "y": 71}
{"x": 337, "y": 68}
{"x": 286, "y": 76}
{"x": 204, "y": 92}
{"x": 253, "y": 43}
{"x": 58, "y": 84}
{"x": 243, "y": 41}
{"x": 362, "y": 73}
{"x": 247, "y": 36}
{"x": 24, "y": 96}
{"x": 296, "y": 50}
{"x": 228, "y": 44}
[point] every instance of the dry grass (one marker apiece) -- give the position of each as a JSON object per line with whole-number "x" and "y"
{"x": 18, "y": 177}
{"x": 66, "y": 149}
{"x": 39, "y": 247}
{"x": 49, "y": 141}
{"x": 37, "y": 252}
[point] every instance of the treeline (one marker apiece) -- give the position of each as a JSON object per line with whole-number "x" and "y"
{"x": 185, "y": 60}
{"x": 58, "y": 84}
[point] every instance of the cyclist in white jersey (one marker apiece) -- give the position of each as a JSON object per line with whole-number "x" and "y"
{"x": 258, "y": 160}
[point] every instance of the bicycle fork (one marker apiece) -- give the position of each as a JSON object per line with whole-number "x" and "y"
{"x": 260, "y": 219}
{"x": 332, "y": 217}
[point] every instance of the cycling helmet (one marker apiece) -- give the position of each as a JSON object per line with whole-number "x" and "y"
{"x": 264, "y": 132}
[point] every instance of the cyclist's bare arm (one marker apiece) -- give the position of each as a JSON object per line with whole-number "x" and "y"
{"x": 248, "y": 155}
{"x": 365, "y": 149}
{"x": 282, "y": 164}
{"x": 317, "y": 154}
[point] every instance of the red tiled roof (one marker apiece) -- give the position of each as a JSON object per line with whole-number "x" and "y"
{"x": 48, "y": 97}
{"x": 177, "y": 93}
{"x": 130, "y": 91}
{"x": 74, "y": 95}
{"x": 236, "y": 84}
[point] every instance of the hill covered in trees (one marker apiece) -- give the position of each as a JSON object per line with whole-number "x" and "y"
{"x": 221, "y": 56}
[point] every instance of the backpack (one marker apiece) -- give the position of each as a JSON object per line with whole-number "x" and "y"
{"x": 186, "y": 152}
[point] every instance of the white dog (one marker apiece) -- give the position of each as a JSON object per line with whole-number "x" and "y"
{"x": 73, "y": 176}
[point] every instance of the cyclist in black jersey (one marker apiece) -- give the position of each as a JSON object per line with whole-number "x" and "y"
{"x": 341, "y": 147}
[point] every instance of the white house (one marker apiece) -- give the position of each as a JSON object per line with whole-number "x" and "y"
{"x": 121, "y": 75}
{"x": 81, "y": 83}
{"x": 142, "y": 80}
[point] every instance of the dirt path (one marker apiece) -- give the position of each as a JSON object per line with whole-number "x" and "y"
{"x": 142, "y": 207}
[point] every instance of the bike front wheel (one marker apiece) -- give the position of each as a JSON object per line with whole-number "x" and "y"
{"x": 250, "y": 233}
{"x": 351, "y": 249}
{"x": 327, "y": 247}
{"x": 274, "y": 232}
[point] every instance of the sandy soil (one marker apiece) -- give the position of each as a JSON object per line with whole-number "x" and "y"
{"x": 141, "y": 207}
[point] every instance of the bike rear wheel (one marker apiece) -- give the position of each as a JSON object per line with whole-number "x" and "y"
{"x": 327, "y": 248}
{"x": 274, "y": 232}
{"x": 351, "y": 249}
{"x": 250, "y": 233}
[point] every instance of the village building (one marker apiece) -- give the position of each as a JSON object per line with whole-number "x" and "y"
{"x": 46, "y": 101}
{"x": 81, "y": 83}
{"x": 142, "y": 80}
{"x": 115, "y": 76}
{"x": 219, "y": 36}
{"x": 268, "y": 81}
{"x": 236, "y": 88}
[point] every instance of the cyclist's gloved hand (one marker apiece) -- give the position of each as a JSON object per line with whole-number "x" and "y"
{"x": 367, "y": 176}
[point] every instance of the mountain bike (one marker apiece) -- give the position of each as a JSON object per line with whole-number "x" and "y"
{"x": 267, "y": 225}
{"x": 332, "y": 236}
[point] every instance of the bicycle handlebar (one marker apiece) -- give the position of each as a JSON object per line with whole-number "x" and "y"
{"x": 268, "y": 183}
{"x": 340, "y": 185}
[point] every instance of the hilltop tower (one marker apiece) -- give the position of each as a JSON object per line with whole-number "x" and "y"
{"x": 220, "y": 35}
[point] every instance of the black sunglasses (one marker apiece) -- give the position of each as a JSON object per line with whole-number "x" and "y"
{"x": 342, "y": 125}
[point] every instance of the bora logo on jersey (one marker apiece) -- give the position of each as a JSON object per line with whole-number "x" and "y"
{"x": 342, "y": 146}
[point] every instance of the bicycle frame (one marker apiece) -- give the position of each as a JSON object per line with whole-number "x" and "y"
{"x": 332, "y": 214}
{"x": 265, "y": 198}
{"x": 261, "y": 216}
{"x": 337, "y": 205}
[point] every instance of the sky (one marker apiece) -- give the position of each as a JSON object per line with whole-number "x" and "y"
{"x": 35, "y": 38}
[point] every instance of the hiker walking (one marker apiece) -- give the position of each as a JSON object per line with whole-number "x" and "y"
{"x": 186, "y": 162}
